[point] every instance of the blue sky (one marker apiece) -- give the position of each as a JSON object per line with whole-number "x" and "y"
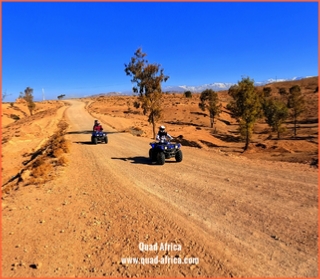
{"x": 80, "y": 48}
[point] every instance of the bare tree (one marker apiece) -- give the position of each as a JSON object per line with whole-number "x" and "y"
{"x": 4, "y": 95}
{"x": 28, "y": 97}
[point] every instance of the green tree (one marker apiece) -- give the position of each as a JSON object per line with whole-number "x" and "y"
{"x": 276, "y": 112}
{"x": 296, "y": 104}
{"x": 28, "y": 97}
{"x": 188, "y": 94}
{"x": 267, "y": 91}
{"x": 209, "y": 101}
{"x": 147, "y": 78}
{"x": 282, "y": 91}
{"x": 246, "y": 107}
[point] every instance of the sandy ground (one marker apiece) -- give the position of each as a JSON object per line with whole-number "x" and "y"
{"x": 183, "y": 118}
{"x": 239, "y": 217}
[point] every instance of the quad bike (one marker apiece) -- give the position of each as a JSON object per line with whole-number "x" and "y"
{"x": 160, "y": 151}
{"x": 99, "y": 136}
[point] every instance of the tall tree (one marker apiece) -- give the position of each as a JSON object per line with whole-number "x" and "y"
{"x": 296, "y": 103}
{"x": 209, "y": 101}
{"x": 27, "y": 95}
{"x": 147, "y": 78}
{"x": 246, "y": 107}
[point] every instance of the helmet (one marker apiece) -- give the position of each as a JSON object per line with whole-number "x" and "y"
{"x": 96, "y": 121}
{"x": 162, "y": 128}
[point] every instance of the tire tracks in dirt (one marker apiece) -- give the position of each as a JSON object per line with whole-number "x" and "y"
{"x": 241, "y": 218}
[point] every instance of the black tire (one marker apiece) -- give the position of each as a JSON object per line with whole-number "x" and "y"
{"x": 106, "y": 139}
{"x": 179, "y": 156}
{"x": 94, "y": 140}
{"x": 152, "y": 155}
{"x": 161, "y": 158}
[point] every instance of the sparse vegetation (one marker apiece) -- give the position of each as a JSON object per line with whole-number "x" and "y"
{"x": 42, "y": 162}
{"x": 148, "y": 79}
{"x": 50, "y": 155}
{"x": 183, "y": 116}
{"x": 129, "y": 106}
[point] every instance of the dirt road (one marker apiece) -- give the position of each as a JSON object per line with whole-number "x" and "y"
{"x": 238, "y": 217}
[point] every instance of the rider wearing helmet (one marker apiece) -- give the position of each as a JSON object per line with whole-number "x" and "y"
{"x": 162, "y": 134}
{"x": 97, "y": 126}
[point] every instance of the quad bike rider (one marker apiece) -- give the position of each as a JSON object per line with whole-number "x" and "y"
{"x": 97, "y": 126}
{"x": 163, "y": 135}
{"x": 163, "y": 149}
{"x": 97, "y": 133}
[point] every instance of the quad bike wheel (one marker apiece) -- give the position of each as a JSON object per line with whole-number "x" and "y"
{"x": 94, "y": 140}
{"x": 178, "y": 156}
{"x": 152, "y": 155}
{"x": 161, "y": 158}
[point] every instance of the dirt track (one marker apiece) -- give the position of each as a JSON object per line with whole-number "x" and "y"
{"x": 240, "y": 217}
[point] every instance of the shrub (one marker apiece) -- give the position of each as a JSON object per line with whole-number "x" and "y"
{"x": 188, "y": 94}
{"x": 14, "y": 116}
{"x": 136, "y": 104}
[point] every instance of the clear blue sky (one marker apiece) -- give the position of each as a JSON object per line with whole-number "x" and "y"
{"x": 80, "y": 48}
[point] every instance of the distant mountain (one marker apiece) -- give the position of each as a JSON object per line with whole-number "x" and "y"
{"x": 220, "y": 86}
{"x": 107, "y": 94}
{"x": 216, "y": 86}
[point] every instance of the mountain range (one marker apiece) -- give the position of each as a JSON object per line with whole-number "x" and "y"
{"x": 216, "y": 86}
{"x": 220, "y": 86}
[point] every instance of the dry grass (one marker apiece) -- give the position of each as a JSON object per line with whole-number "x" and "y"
{"x": 62, "y": 161}
{"x": 42, "y": 163}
